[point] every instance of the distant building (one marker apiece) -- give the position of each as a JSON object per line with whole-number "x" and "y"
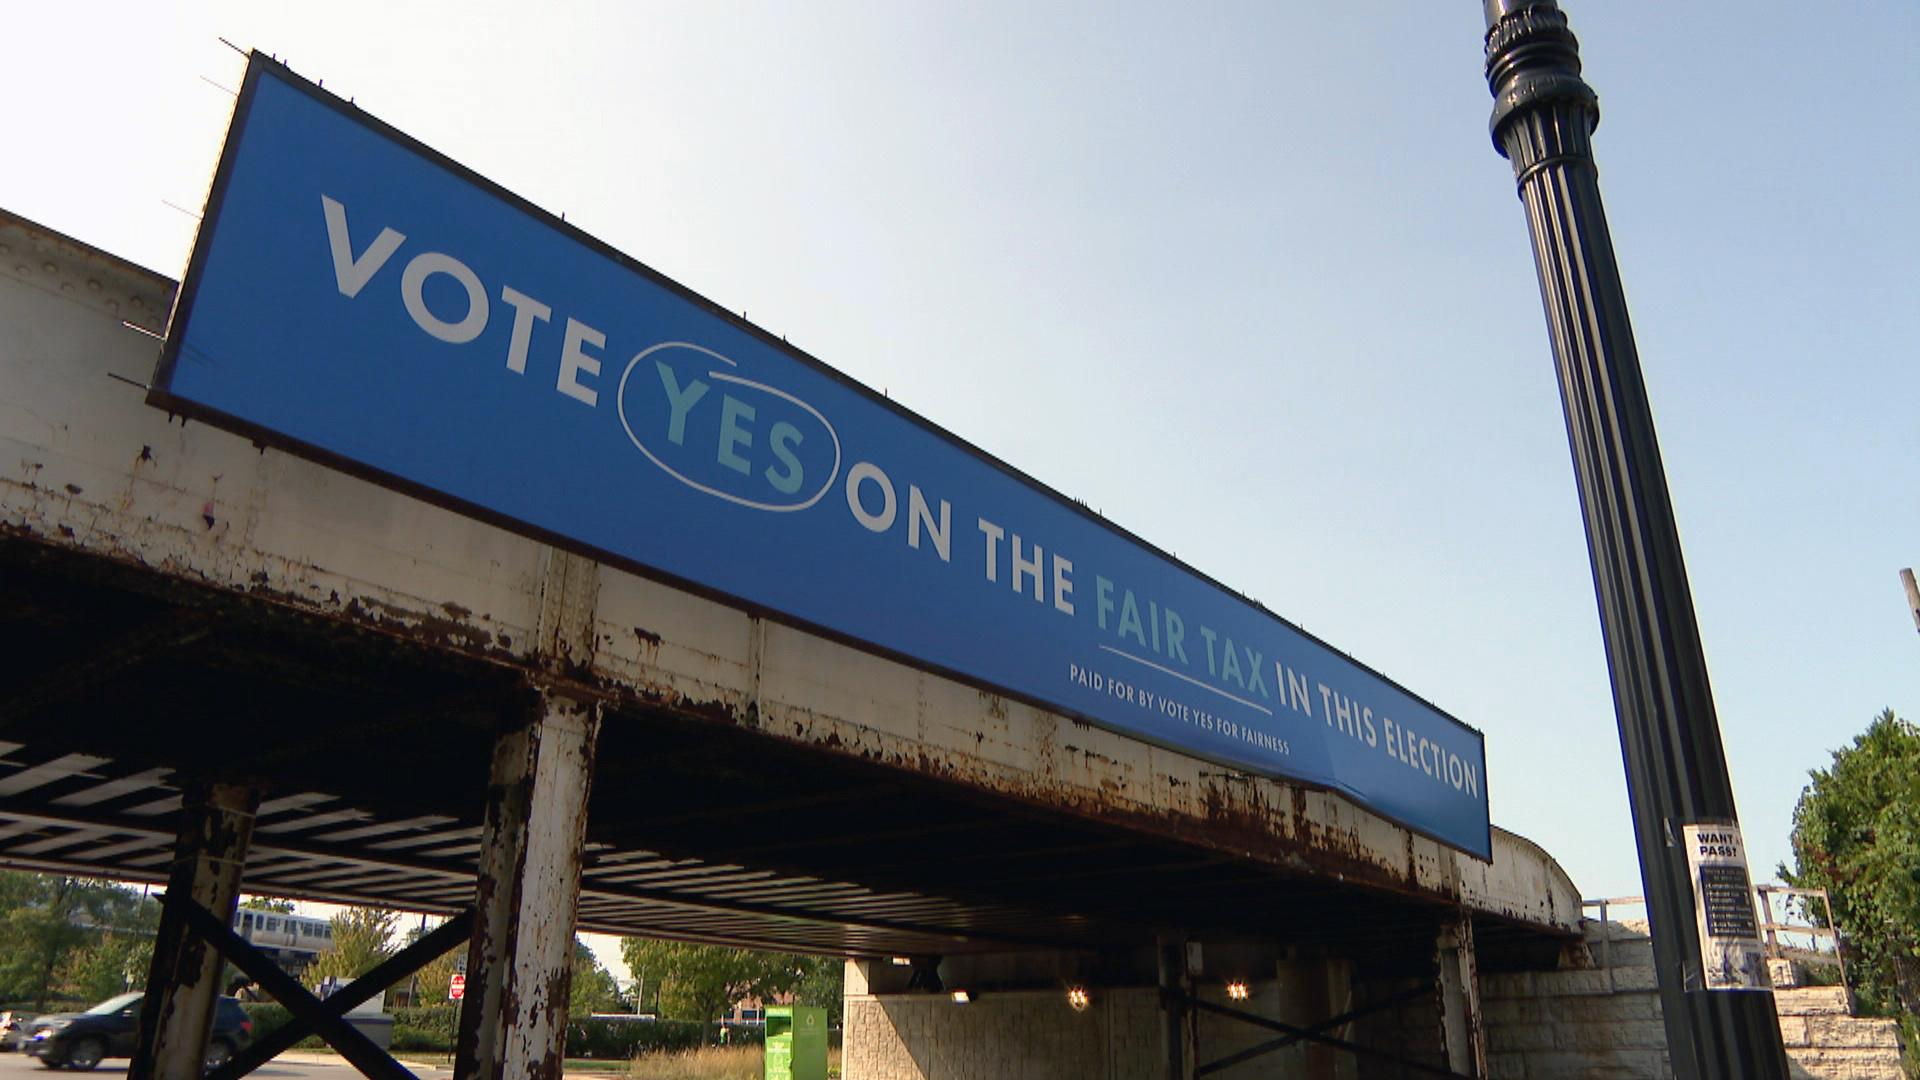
{"x": 751, "y": 1012}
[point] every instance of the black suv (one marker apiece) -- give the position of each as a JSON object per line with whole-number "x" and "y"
{"x": 80, "y": 1040}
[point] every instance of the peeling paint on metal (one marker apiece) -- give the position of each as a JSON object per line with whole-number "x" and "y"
{"x": 211, "y": 853}
{"x": 202, "y": 507}
{"x": 520, "y": 957}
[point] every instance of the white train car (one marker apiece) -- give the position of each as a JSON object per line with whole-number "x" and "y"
{"x": 292, "y": 941}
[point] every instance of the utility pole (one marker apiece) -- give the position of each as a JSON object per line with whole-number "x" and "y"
{"x": 413, "y": 983}
{"x": 1719, "y": 1015}
{"x": 1913, "y": 596}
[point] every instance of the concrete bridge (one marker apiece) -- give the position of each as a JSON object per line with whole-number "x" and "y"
{"x": 231, "y": 668}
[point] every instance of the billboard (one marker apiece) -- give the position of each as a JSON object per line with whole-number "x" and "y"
{"x": 356, "y": 297}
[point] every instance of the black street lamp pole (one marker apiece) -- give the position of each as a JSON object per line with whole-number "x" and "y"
{"x": 1544, "y": 115}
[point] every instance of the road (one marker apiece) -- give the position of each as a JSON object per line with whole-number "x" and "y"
{"x": 290, "y": 1066}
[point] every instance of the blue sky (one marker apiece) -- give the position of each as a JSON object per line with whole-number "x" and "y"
{"x": 1248, "y": 278}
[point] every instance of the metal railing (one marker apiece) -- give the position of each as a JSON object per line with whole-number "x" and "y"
{"x": 1606, "y": 928}
{"x": 1777, "y": 921}
{"x": 1775, "y": 905}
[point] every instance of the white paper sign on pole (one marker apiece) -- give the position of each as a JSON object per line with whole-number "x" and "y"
{"x": 1732, "y": 956}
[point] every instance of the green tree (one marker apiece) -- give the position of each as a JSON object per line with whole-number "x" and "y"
{"x": 362, "y": 938}
{"x": 430, "y": 984}
{"x": 821, "y": 983}
{"x": 46, "y": 917}
{"x": 701, "y": 982}
{"x": 433, "y": 983}
{"x": 110, "y": 964}
{"x": 1856, "y": 833}
{"x": 271, "y": 904}
{"x": 594, "y": 987}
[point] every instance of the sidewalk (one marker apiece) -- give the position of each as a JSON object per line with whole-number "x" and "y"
{"x": 420, "y": 1064}
{"x": 428, "y": 1066}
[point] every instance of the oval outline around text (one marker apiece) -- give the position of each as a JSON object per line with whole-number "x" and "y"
{"x": 620, "y": 406}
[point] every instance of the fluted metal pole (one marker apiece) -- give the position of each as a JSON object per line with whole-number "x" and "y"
{"x": 1544, "y": 115}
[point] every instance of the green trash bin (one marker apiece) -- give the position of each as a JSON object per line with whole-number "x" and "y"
{"x": 796, "y": 1043}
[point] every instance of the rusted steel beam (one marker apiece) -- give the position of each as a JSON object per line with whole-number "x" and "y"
{"x": 1176, "y": 1017}
{"x": 342, "y": 1036}
{"x": 1457, "y": 990}
{"x": 183, "y": 981}
{"x": 519, "y": 961}
{"x": 1321, "y": 1028}
{"x": 815, "y": 801}
{"x": 129, "y": 650}
{"x": 461, "y": 872}
{"x": 196, "y": 516}
{"x": 311, "y": 1017}
{"x": 1315, "y": 1036}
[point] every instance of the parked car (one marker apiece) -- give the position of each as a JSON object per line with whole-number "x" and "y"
{"x": 15, "y": 1026}
{"x": 80, "y": 1040}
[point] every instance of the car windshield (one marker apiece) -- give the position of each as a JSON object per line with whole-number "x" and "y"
{"x": 113, "y": 1005}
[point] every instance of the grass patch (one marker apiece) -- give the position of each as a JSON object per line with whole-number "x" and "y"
{"x": 705, "y": 1063}
{"x": 711, "y": 1063}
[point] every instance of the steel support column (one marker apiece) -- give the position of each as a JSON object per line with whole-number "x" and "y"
{"x": 311, "y": 1016}
{"x": 1337, "y": 1064}
{"x": 1543, "y": 119}
{"x": 1322, "y": 981}
{"x": 1176, "y": 996}
{"x": 1317, "y": 1035}
{"x": 520, "y": 958}
{"x": 1458, "y": 988}
{"x": 183, "y": 980}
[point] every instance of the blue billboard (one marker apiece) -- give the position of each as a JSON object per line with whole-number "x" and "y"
{"x": 356, "y": 297}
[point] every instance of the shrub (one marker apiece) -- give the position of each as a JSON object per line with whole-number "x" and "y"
{"x": 427, "y": 1027}
{"x": 621, "y": 1039}
{"x": 433, "y": 1029}
{"x": 270, "y": 1016}
{"x": 739, "y": 1035}
{"x": 430, "y": 1028}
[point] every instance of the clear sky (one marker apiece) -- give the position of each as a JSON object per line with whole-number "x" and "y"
{"x": 1246, "y": 277}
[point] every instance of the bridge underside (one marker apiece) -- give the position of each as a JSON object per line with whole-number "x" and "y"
{"x": 229, "y": 668}
{"x": 125, "y": 684}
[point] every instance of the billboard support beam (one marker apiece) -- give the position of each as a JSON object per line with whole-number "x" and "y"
{"x": 1457, "y": 993}
{"x": 1176, "y": 996}
{"x": 183, "y": 980}
{"x": 519, "y": 960}
{"x": 1544, "y": 115}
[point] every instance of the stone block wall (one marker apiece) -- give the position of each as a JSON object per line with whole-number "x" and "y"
{"x": 1581, "y": 1022}
{"x": 1600, "y": 1022}
{"x": 1410, "y": 1029}
{"x": 1017, "y": 1036}
{"x": 1034, "y": 1035}
{"x": 1824, "y": 1041}
{"x": 1575, "y": 1024}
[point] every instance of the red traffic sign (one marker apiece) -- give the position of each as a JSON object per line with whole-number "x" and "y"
{"x": 457, "y": 987}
